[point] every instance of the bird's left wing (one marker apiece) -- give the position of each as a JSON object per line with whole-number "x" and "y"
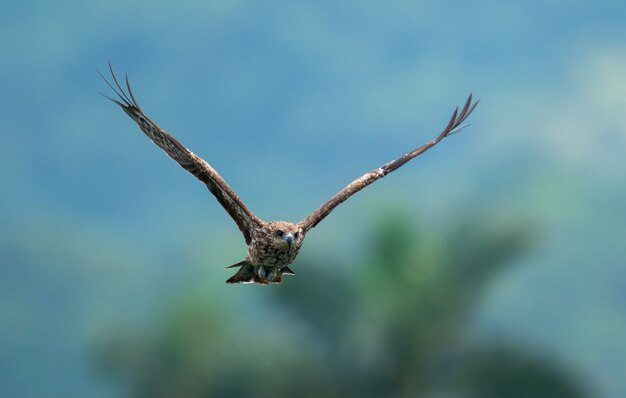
{"x": 245, "y": 219}
{"x": 454, "y": 126}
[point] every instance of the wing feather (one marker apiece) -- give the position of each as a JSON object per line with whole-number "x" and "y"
{"x": 454, "y": 126}
{"x": 234, "y": 206}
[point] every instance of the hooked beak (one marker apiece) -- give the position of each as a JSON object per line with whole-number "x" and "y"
{"x": 288, "y": 238}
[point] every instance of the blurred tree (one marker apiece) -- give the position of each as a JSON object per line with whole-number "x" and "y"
{"x": 390, "y": 324}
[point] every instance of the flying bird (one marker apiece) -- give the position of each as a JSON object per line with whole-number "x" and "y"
{"x": 274, "y": 245}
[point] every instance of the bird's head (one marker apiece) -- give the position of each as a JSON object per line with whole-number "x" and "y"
{"x": 285, "y": 234}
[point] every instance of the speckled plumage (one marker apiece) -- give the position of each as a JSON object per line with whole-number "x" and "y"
{"x": 269, "y": 254}
{"x": 272, "y": 246}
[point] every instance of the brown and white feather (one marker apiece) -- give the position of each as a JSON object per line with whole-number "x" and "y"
{"x": 454, "y": 126}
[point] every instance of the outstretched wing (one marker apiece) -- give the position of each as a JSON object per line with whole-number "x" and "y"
{"x": 454, "y": 126}
{"x": 245, "y": 219}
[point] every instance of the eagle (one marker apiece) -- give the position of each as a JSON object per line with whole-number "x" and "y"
{"x": 274, "y": 245}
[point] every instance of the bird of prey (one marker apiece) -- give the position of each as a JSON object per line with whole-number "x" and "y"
{"x": 272, "y": 246}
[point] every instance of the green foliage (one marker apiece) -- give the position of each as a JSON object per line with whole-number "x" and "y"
{"x": 390, "y": 323}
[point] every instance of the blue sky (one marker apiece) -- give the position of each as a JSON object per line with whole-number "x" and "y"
{"x": 292, "y": 100}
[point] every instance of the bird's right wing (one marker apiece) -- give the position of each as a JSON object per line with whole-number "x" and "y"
{"x": 245, "y": 219}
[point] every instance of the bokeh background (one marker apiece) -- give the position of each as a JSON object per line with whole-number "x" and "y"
{"x": 493, "y": 266}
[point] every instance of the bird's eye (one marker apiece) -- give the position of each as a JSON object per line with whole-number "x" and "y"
{"x": 296, "y": 235}
{"x": 280, "y": 233}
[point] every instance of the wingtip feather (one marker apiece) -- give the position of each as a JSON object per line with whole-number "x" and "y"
{"x": 130, "y": 91}
{"x": 112, "y": 99}
{"x": 117, "y": 83}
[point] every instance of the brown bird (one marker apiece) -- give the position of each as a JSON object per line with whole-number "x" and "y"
{"x": 272, "y": 246}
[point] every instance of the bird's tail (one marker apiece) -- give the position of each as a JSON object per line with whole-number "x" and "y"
{"x": 247, "y": 274}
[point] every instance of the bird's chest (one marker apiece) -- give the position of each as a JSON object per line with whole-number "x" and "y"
{"x": 261, "y": 252}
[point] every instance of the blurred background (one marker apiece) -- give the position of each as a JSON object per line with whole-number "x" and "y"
{"x": 492, "y": 266}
